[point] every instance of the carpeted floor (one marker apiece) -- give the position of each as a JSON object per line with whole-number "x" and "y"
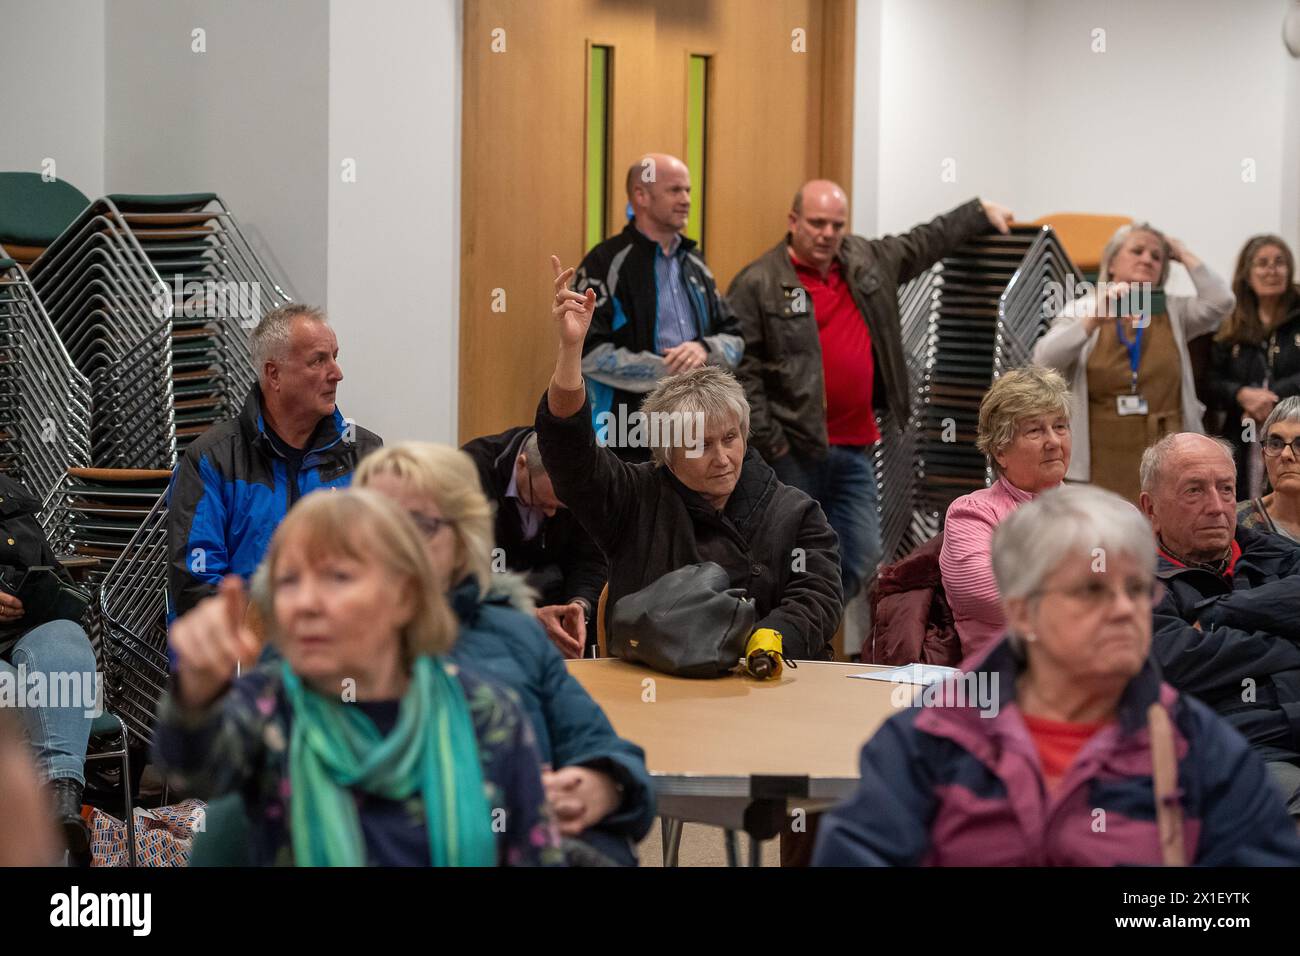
{"x": 703, "y": 846}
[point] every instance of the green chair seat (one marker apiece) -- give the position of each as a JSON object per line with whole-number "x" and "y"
{"x": 34, "y": 212}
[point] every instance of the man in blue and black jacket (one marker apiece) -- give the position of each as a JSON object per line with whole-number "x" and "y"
{"x": 234, "y": 484}
{"x": 658, "y": 308}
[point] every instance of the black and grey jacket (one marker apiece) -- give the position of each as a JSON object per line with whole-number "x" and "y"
{"x": 772, "y": 540}
{"x": 23, "y": 545}
{"x": 619, "y": 358}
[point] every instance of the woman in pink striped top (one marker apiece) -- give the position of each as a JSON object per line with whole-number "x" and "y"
{"x": 1024, "y": 429}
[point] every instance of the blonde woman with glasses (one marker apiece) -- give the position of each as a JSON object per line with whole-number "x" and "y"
{"x": 596, "y": 781}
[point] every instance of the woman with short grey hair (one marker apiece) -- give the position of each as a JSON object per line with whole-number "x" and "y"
{"x": 706, "y": 497}
{"x": 1015, "y": 762}
{"x": 1130, "y": 374}
{"x": 1278, "y": 511}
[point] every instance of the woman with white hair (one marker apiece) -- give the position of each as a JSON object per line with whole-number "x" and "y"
{"x": 1278, "y": 511}
{"x": 1044, "y": 755}
{"x": 1130, "y": 375}
{"x": 704, "y": 497}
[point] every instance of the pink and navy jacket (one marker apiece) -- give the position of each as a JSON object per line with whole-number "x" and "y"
{"x": 944, "y": 786}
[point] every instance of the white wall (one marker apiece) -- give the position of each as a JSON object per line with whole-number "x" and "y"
{"x": 52, "y": 81}
{"x": 951, "y": 101}
{"x": 1159, "y": 125}
{"x": 246, "y": 119}
{"x": 1290, "y": 204}
{"x": 1155, "y": 127}
{"x": 394, "y": 233}
{"x": 865, "y": 189}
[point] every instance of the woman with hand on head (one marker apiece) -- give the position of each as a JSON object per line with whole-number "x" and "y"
{"x": 597, "y": 783}
{"x": 1024, "y": 429}
{"x": 1256, "y": 357}
{"x": 1066, "y": 729}
{"x": 363, "y": 745}
{"x": 1130, "y": 374}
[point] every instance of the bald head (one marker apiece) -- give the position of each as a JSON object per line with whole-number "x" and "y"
{"x": 1189, "y": 494}
{"x": 820, "y": 194}
{"x": 659, "y": 189}
{"x": 819, "y": 218}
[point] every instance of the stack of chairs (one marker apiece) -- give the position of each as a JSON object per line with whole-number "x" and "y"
{"x": 131, "y": 625}
{"x": 154, "y": 298}
{"x": 218, "y": 288}
{"x": 110, "y": 311}
{"x": 97, "y": 512}
{"x": 44, "y": 400}
{"x": 973, "y": 316}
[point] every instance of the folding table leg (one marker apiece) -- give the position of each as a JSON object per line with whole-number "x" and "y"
{"x": 733, "y": 854}
{"x": 755, "y": 851}
{"x": 671, "y": 831}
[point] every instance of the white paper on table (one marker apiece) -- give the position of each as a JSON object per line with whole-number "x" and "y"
{"x": 923, "y": 674}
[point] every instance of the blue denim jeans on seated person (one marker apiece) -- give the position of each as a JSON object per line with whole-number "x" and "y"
{"x": 844, "y": 484}
{"x": 61, "y": 653}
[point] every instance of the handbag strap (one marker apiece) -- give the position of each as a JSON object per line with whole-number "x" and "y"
{"x": 1169, "y": 809}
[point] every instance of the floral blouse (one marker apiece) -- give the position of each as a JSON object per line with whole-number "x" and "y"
{"x": 241, "y": 745}
{"x": 1252, "y": 514}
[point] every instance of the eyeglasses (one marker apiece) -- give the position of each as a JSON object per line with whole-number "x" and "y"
{"x": 1273, "y": 447}
{"x": 1097, "y": 594}
{"x": 429, "y": 525}
{"x": 1263, "y": 265}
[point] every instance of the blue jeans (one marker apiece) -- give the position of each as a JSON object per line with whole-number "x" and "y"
{"x": 844, "y": 484}
{"x": 58, "y": 734}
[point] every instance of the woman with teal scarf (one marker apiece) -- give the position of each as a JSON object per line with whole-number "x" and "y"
{"x": 362, "y": 745}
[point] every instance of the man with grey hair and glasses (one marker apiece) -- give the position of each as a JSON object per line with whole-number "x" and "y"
{"x": 234, "y": 484}
{"x": 1227, "y": 630}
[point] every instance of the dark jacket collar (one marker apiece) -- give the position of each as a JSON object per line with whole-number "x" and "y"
{"x": 328, "y": 433}
{"x": 503, "y": 465}
{"x": 1008, "y": 663}
{"x": 642, "y": 241}
{"x": 15, "y": 499}
{"x": 753, "y": 489}
{"x": 1256, "y": 548}
{"x": 465, "y": 600}
{"x": 852, "y": 257}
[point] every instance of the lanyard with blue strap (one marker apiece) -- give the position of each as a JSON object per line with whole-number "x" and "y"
{"x": 1134, "y": 349}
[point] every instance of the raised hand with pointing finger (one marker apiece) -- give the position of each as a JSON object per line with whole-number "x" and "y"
{"x": 209, "y": 642}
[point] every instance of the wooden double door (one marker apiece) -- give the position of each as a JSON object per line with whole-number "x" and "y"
{"x": 777, "y": 110}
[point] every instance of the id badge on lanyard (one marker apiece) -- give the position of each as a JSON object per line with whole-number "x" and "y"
{"x": 1132, "y": 403}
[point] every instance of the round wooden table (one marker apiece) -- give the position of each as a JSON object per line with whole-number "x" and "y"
{"x": 739, "y": 753}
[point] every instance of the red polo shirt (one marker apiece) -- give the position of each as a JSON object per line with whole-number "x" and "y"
{"x": 848, "y": 367}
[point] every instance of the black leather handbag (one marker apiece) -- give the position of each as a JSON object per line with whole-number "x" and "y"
{"x": 688, "y": 623}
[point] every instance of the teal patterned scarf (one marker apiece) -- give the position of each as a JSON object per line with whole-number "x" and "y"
{"x": 336, "y": 749}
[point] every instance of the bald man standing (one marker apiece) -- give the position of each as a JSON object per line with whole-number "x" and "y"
{"x": 658, "y": 309}
{"x": 824, "y": 350}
